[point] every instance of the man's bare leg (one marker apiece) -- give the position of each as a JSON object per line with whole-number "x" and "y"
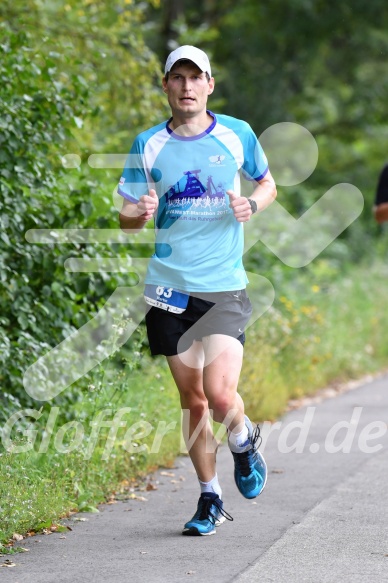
{"x": 189, "y": 380}
{"x": 210, "y": 382}
{"x": 223, "y": 361}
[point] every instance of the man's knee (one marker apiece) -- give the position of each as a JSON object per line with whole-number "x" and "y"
{"x": 222, "y": 405}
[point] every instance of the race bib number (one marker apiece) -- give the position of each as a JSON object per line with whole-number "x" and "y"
{"x": 166, "y": 298}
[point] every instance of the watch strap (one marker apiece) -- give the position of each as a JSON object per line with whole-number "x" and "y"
{"x": 253, "y": 205}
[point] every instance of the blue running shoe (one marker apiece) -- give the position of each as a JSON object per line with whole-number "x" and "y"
{"x": 210, "y": 513}
{"x": 250, "y": 469}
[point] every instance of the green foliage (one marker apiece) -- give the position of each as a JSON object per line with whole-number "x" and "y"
{"x": 39, "y": 106}
{"x": 73, "y": 77}
{"x": 319, "y": 64}
{"x": 102, "y": 43}
{"x": 328, "y": 326}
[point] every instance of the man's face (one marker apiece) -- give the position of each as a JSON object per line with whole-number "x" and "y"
{"x": 187, "y": 89}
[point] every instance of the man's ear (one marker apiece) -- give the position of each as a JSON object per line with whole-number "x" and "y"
{"x": 211, "y": 86}
{"x": 164, "y": 84}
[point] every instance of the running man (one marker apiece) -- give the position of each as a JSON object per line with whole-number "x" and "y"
{"x": 195, "y": 284}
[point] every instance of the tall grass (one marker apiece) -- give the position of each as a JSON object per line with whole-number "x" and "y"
{"x": 317, "y": 332}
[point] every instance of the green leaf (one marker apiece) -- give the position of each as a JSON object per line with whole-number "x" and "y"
{"x": 5, "y": 238}
{"x": 85, "y": 507}
{"x": 86, "y": 209}
{"x": 78, "y": 122}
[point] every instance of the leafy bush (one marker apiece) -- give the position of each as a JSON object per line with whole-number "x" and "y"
{"x": 40, "y": 303}
{"x": 39, "y": 107}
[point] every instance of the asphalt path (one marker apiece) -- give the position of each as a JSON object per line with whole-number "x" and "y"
{"x": 322, "y": 518}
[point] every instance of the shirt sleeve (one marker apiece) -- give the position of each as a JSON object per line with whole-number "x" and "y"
{"x": 133, "y": 182}
{"x": 255, "y": 165}
{"x": 382, "y": 187}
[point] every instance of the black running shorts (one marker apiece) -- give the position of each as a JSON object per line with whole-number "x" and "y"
{"x": 206, "y": 313}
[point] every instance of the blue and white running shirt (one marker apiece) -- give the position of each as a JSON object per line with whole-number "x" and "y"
{"x": 199, "y": 244}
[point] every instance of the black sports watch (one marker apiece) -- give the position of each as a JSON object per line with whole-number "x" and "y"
{"x": 253, "y": 205}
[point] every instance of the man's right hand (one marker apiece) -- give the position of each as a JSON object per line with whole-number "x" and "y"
{"x": 133, "y": 216}
{"x": 147, "y": 205}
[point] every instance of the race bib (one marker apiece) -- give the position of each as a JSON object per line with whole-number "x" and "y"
{"x": 166, "y": 298}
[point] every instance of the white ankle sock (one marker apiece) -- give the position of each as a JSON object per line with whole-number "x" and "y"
{"x": 212, "y": 486}
{"x": 238, "y": 439}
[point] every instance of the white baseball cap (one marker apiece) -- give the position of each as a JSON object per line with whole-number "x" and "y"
{"x": 192, "y": 54}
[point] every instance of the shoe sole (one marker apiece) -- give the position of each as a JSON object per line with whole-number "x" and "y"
{"x": 195, "y": 532}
